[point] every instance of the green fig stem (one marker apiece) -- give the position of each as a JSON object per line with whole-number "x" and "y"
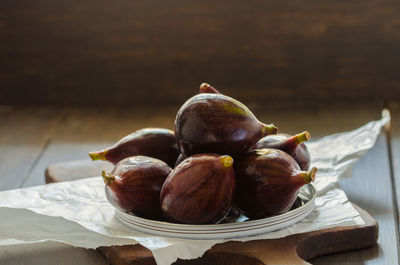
{"x": 108, "y": 178}
{"x": 98, "y": 155}
{"x": 268, "y": 129}
{"x": 301, "y": 137}
{"x": 309, "y": 176}
{"x": 227, "y": 161}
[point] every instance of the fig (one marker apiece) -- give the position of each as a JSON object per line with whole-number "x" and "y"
{"x": 153, "y": 142}
{"x": 293, "y": 145}
{"x": 199, "y": 190}
{"x": 215, "y": 123}
{"x": 268, "y": 182}
{"x": 206, "y": 88}
{"x": 134, "y": 185}
{"x": 180, "y": 158}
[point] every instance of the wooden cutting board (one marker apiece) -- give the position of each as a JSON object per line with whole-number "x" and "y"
{"x": 294, "y": 249}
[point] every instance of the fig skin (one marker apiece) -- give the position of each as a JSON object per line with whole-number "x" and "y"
{"x": 268, "y": 182}
{"x": 199, "y": 190}
{"x": 215, "y": 123}
{"x": 134, "y": 185}
{"x": 293, "y": 145}
{"x": 206, "y": 88}
{"x": 181, "y": 157}
{"x": 153, "y": 142}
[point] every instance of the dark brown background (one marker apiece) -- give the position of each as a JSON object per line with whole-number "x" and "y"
{"x": 139, "y": 52}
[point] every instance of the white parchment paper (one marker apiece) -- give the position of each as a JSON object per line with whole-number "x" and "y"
{"x": 78, "y": 213}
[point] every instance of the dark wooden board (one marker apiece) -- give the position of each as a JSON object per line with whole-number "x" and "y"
{"x": 130, "y": 51}
{"x": 290, "y": 250}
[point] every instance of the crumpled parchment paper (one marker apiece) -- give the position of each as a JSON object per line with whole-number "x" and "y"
{"x": 78, "y": 213}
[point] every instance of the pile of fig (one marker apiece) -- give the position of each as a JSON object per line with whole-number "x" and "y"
{"x": 219, "y": 159}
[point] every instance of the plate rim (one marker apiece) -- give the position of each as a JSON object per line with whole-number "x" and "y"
{"x": 309, "y": 204}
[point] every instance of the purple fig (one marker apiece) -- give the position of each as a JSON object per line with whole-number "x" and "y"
{"x": 135, "y": 183}
{"x": 268, "y": 182}
{"x": 206, "y": 88}
{"x": 215, "y": 123}
{"x": 293, "y": 145}
{"x": 199, "y": 190}
{"x": 153, "y": 142}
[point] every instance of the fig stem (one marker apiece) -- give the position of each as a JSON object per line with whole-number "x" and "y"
{"x": 309, "y": 176}
{"x": 206, "y": 88}
{"x": 227, "y": 161}
{"x": 98, "y": 155}
{"x": 301, "y": 137}
{"x": 108, "y": 178}
{"x": 268, "y": 129}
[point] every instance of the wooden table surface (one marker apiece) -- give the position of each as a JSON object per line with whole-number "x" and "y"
{"x": 31, "y": 138}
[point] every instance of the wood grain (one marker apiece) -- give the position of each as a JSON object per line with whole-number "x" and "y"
{"x": 24, "y": 133}
{"x": 395, "y": 153}
{"x": 88, "y": 129}
{"x": 49, "y": 253}
{"x": 370, "y": 187}
{"x": 129, "y": 51}
{"x": 69, "y": 171}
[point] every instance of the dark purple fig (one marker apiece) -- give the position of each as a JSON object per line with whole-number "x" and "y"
{"x": 293, "y": 145}
{"x": 215, "y": 123}
{"x": 206, "y": 88}
{"x": 153, "y": 142}
{"x": 135, "y": 183}
{"x": 268, "y": 182}
{"x": 199, "y": 190}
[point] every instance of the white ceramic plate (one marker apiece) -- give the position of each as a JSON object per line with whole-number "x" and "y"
{"x": 240, "y": 227}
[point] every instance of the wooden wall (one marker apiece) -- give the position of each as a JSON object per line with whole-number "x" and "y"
{"x": 130, "y": 52}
